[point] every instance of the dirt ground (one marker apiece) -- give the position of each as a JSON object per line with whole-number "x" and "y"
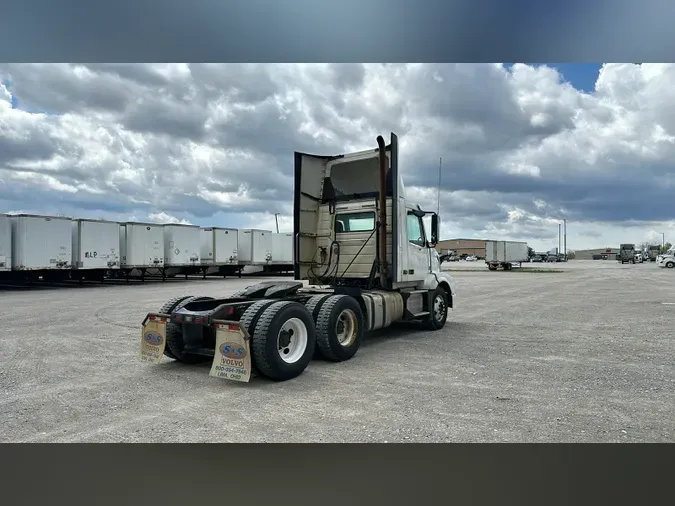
{"x": 581, "y": 355}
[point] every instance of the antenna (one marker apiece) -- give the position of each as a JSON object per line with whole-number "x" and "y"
{"x": 438, "y": 198}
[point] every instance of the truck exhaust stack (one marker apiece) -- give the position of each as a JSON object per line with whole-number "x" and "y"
{"x": 382, "y": 260}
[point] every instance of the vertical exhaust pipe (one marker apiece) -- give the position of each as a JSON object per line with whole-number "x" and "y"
{"x": 382, "y": 260}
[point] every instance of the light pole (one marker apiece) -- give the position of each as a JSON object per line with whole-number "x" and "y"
{"x": 276, "y": 218}
{"x": 559, "y": 245}
{"x": 565, "y": 238}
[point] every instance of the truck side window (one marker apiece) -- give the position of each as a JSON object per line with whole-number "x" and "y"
{"x": 415, "y": 230}
{"x": 355, "y": 222}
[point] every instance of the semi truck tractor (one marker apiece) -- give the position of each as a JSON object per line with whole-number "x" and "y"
{"x": 626, "y": 253}
{"x": 667, "y": 260}
{"x": 653, "y": 253}
{"x": 362, "y": 261}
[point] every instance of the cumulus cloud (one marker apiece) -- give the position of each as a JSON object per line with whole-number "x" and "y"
{"x": 213, "y": 143}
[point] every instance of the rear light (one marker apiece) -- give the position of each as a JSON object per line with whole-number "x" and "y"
{"x": 233, "y": 327}
{"x": 151, "y": 317}
{"x": 199, "y": 320}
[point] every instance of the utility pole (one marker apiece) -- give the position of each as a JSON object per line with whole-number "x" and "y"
{"x": 276, "y": 218}
{"x": 438, "y": 198}
{"x": 663, "y": 241}
{"x": 565, "y": 238}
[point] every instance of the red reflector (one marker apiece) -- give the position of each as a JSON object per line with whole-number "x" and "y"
{"x": 151, "y": 318}
{"x": 229, "y": 310}
{"x": 178, "y": 317}
{"x": 233, "y": 327}
{"x": 199, "y": 320}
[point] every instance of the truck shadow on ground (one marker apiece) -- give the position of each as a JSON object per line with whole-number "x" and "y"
{"x": 378, "y": 337}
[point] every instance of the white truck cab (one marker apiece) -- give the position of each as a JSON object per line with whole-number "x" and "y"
{"x": 343, "y": 239}
{"x": 667, "y": 260}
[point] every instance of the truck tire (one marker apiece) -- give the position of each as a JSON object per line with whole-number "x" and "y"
{"x": 283, "y": 341}
{"x": 339, "y": 328}
{"x": 313, "y": 305}
{"x": 438, "y": 313}
{"x": 252, "y": 314}
{"x": 174, "y": 337}
{"x": 670, "y": 265}
{"x": 167, "y": 308}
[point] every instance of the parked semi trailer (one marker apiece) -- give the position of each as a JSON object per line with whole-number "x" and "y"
{"x": 96, "y": 244}
{"x": 141, "y": 248}
{"x": 254, "y": 246}
{"x": 181, "y": 245}
{"x": 362, "y": 261}
{"x": 505, "y": 254}
{"x": 41, "y": 245}
{"x": 282, "y": 253}
{"x": 219, "y": 251}
{"x": 653, "y": 253}
{"x": 95, "y": 248}
{"x": 5, "y": 243}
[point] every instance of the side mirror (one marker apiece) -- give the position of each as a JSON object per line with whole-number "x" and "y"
{"x": 435, "y": 225}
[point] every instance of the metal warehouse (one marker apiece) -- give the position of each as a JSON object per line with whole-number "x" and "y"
{"x": 462, "y": 246}
{"x": 597, "y": 254}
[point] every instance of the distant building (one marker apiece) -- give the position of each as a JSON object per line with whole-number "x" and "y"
{"x": 462, "y": 246}
{"x": 596, "y": 254}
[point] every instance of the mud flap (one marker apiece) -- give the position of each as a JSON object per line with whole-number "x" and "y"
{"x": 153, "y": 338}
{"x": 232, "y": 357}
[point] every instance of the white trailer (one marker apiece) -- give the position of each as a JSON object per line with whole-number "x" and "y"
{"x": 5, "y": 243}
{"x": 181, "y": 245}
{"x": 282, "y": 248}
{"x": 254, "y": 246}
{"x": 141, "y": 245}
{"x": 219, "y": 246}
{"x": 41, "y": 242}
{"x": 96, "y": 244}
{"x": 505, "y": 253}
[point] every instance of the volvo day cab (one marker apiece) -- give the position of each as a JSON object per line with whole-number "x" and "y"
{"x": 667, "y": 260}
{"x": 362, "y": 261}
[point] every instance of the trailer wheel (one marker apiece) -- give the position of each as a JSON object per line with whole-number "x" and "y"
{"x": 339, "y": 328}
{"x": 314, "y": 305}
{"x": 283, "y": 341}
{"x": 167, "y": 308}
{"x": 174, "y": 337}
{"x": 438, "y": 313}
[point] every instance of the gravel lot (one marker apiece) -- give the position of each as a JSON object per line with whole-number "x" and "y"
{"x": 581, "y": 355}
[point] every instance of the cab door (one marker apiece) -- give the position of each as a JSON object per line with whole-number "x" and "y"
{"x": 417, "y": 261}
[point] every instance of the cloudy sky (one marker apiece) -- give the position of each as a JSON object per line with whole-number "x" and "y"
{"x": 523, "y": 146}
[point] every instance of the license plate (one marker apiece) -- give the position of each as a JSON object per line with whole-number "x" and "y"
{"x": 153, "y": 340}
{"x": 232, "y": 357}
